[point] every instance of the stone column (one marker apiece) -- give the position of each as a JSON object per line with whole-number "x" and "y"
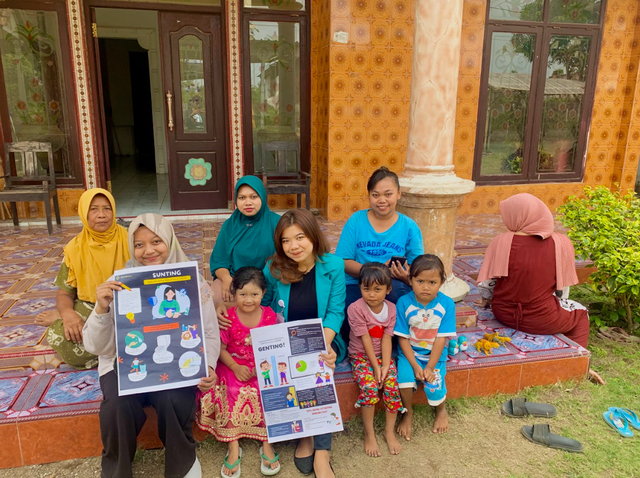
{"x": 430, "y": 189}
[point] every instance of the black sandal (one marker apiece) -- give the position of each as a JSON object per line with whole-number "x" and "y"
{"x": 304, "y": 464}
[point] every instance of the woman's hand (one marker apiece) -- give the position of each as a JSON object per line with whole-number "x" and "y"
{"x": 207, "y": 383}
{"x": 484, "y": 303}
{"x": 400, "y": 272}
{"x": 223, "y": 318}
{"x": 243, "y": 373}
{"x": 104, "y": 295}
{"x": 73, "y": 324}
{"x": 227, "y": 296}
{"x": 329, "y": 358}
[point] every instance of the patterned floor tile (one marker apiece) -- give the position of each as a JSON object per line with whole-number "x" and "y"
{"x": 20, "y": 336}
{"x": 14, "y": 268}
{"x": 31, "y": 306}
{"x": 72, "y": 387}
{"x": 43, "y": 285}
{"x": 33, "y": 254}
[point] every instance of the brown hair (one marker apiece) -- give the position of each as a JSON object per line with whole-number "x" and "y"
{"x": 284, "y": 268}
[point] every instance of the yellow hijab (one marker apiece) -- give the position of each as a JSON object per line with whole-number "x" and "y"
{"x": 93, "y": 256}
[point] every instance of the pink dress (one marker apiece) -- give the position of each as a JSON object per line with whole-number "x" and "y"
{"x": 232, "y": 409}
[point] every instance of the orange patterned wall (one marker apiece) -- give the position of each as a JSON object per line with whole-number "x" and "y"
{"x": 369, "y": 91}
{"x": 612, "y": 153}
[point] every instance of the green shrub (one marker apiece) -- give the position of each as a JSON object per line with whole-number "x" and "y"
{"x": 605, "y": 228}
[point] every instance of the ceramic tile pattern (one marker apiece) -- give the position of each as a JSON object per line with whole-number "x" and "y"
{"x": 360, "y": 106}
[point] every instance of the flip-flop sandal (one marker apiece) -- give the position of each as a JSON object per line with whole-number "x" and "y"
{"x": 541, "y": 435}
{"x": 630, "y": 415}
{"x": 519, "y": 407}
{"x": 231, "y": 466}
{"x": 618, "y": 422}
{"x": 265, "y": 469}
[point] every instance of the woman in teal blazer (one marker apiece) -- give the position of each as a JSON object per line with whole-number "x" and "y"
{"x": 305, "y": 281}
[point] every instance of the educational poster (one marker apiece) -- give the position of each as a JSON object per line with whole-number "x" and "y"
{"x": 159, "y": 332}
{"x": 298, "y": 392}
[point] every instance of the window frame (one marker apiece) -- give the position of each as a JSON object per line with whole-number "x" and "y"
{"x": 72, "y": 119}
{"x": 543, "y": 30}
{"x": 303, "y": 18}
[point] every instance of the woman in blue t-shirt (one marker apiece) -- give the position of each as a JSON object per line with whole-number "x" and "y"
{"x": 379, "y": 233}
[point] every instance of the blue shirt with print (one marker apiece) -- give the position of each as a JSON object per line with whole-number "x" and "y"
{"x": 422, "y": 324}
{"x": 361, "y": 243}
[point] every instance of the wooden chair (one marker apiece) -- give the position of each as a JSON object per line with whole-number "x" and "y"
{"x": 284, "y": 181}
{"x": 22, "y": 186}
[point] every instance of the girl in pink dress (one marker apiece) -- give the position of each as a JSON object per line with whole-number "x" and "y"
{"x": 232, "y": 410}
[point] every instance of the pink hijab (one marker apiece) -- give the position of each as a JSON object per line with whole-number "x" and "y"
{"x": 528, "y": 214}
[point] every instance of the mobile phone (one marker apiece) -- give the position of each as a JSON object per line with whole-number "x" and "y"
{"x": 399, "y": 259}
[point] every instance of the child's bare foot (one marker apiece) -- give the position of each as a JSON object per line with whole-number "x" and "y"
{"x": 404, "y": 427}
{"x": 392, "y": 442}
{"x": 270, "y": 453}
{"x": 232, "y": 457}
{"x": 47, "y": 318}
{"x": 371, "y": 445}
{"x": 441, "y": 422}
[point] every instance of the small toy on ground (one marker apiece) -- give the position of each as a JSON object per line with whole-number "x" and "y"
{"x": 486, "y": 346}
{"x": 495, "y": 337}
{"x": 453, "y": 347}
{"x": 462, "y": 343}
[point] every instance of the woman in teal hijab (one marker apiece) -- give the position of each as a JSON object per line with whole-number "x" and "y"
{"x": 246, "y": 238}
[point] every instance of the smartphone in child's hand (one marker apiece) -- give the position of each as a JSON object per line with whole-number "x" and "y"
{"x": 399, "y": 260}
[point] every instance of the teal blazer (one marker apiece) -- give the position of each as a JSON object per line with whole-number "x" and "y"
{"x": 331, "y": 292}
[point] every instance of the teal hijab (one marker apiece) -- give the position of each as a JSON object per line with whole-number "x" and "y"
{"x": 245, "y": 241}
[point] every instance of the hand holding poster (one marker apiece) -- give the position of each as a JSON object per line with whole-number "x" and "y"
{"x": 298, "y": 392}
{"x": 159, "y": 329}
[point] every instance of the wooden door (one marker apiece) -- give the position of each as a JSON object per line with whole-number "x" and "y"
{"x": 193, "y": 86}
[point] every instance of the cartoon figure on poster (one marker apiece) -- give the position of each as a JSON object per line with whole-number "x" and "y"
{"x": 169, "y": 303}
{"x": 138, "y": 370}
{"x": 282, "y": 368}
{"x": 291, "y": 400}
{"x": 134, "y": 343}
{"x": 189, "y": 338}
{"x": 265, "y": 368}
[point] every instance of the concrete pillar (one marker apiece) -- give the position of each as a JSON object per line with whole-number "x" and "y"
{"x": 430, "y": 189}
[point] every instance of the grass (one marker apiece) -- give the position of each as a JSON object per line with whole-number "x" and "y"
{"x": 580, "y": 407}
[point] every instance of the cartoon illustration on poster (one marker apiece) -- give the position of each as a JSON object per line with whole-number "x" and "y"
{"x": 298, "y": 392}
{"x": 158, "y": 328}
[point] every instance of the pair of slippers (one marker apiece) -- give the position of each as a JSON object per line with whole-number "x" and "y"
{"x": 620, "y": 419}
{"x": 539, "y": 433}
{"x": 266, "y": 470}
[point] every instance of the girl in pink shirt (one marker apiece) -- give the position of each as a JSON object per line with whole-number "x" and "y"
{"x": 372, "y": 320}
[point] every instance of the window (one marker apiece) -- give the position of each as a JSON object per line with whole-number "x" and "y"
{"x": 36, "y": 94}
{"x": 536, "y": 92}
{"x": 276, "y": 84}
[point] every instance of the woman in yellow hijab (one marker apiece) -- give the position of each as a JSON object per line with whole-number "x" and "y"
{"x": 90, "y": 259}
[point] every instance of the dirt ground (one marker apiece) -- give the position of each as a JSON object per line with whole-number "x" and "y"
{"x": 480, "y": 443}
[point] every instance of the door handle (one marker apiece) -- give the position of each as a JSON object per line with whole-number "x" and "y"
{"x": 170, "y": 110}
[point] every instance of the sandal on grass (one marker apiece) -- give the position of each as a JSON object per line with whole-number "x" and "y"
{"x": 519, "y": 407}
{"x": 231, "y": 466}
{"x": 617, "y": 335}
{"x": 541, "y": 435}
{"x": 266, "y": 469}
{"x": 630, "y": 415}
{"x": 618, "y": 422}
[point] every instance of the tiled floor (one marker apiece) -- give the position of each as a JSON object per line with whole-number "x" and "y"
{"x": 38, "y": 392}
{"x": 137, "y": 192}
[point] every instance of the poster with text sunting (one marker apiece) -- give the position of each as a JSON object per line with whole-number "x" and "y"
{"x": 159, "y": 329}
{"x": 297, "y": 390}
